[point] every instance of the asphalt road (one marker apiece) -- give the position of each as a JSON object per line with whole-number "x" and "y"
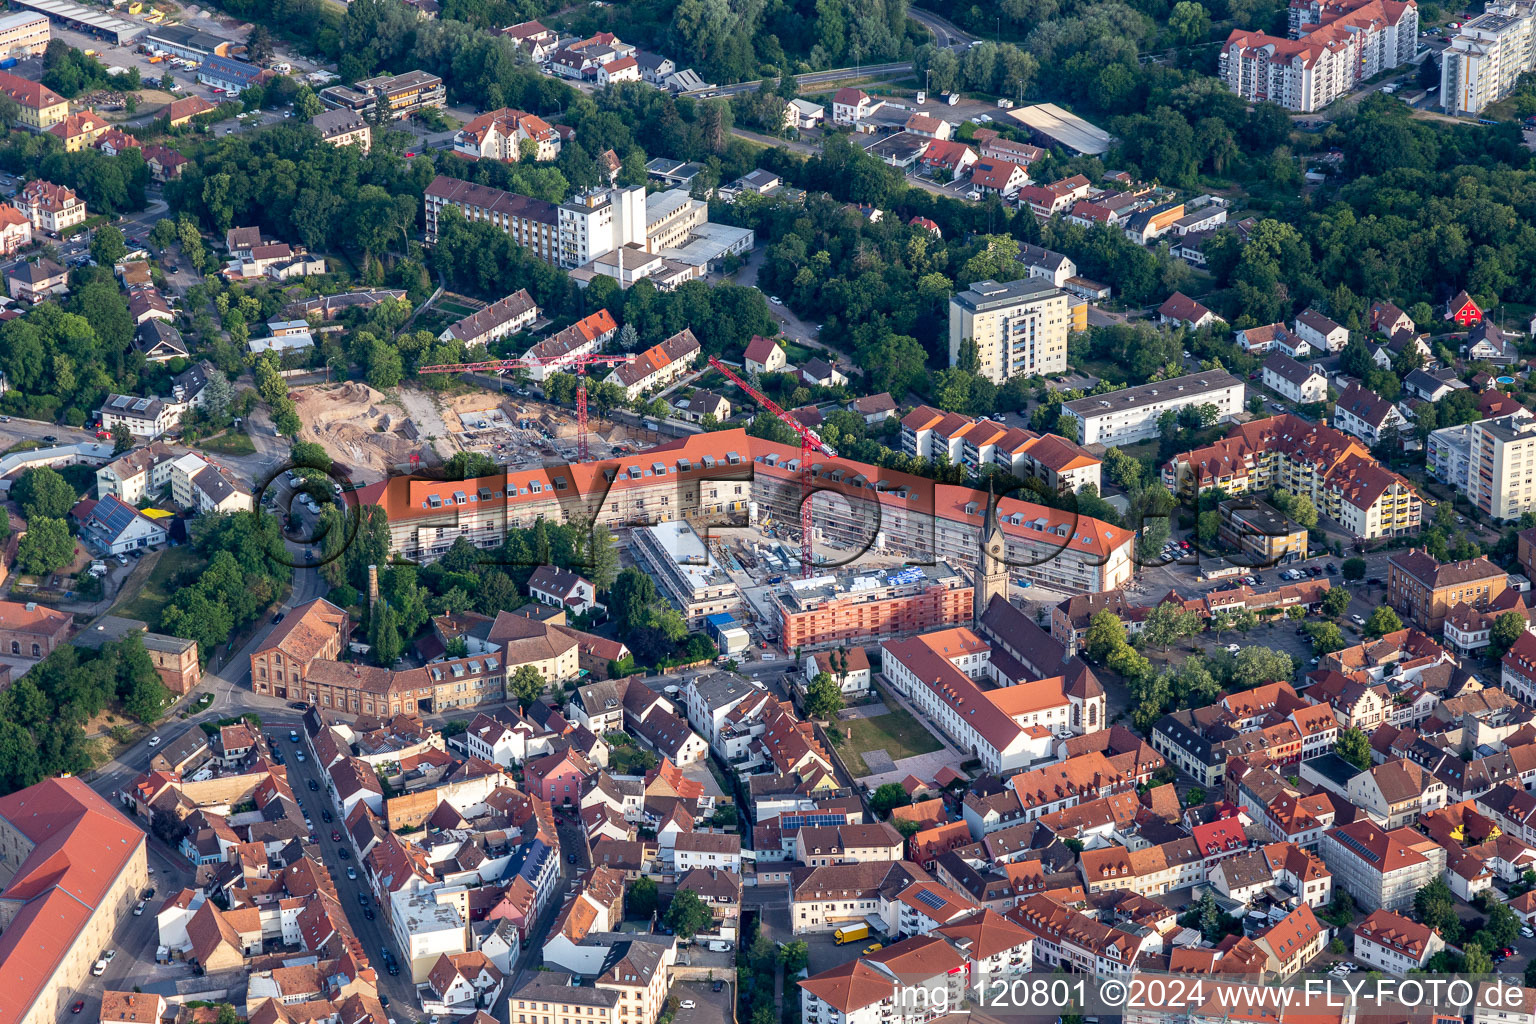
{"x": 374, "y": 935}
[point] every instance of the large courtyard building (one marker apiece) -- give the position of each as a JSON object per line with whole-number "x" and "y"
{"x": 72, "y": 867}
{"x": 1020, "y": 328}
{"x": 855, "y": 507}
{"x": 1487, "y": 56}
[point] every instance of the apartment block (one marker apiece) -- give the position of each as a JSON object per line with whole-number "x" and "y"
{"x": 1501, "y": 464}
{"x": 1131, "y": 414}
{"x": 1020, "y": 328}
{"x": 1335, "y": 45}
{"x": 532, "y": 223}
{"x": 396, "y": 95}
{"x": 1331, "y": 468}
{"x": 685, "y": 571}
{"x": 1487, "y": 56}
{"x": 832, "y": 610}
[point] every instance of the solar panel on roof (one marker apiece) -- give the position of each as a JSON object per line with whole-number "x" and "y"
{"x": 929, "y": 898}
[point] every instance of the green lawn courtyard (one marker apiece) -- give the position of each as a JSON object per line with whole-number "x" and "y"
{"x": 897, "y": 733}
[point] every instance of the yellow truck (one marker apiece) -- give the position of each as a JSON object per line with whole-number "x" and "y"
{"x": 851, "y": 933}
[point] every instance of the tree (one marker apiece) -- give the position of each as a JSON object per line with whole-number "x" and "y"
{"x": 823, "y": 698}
{"x": 43, "y": 492}
{"x": 1167, "y": 623}
{"x": 1195, "y": 797}
{"x": 631, "y": 598}
{"x": 1335, "y": 602}
{"x": 311, "y": 454}
{"x": 1506, "y": 629}
{"x": 306, "y": 104}
{"x": 1354, "y": 746}
{"x": 527, "y": 684}
{"x": 1478, "y": 960}
{"x": 1327, "y": 637}
{"x": 1105, "y": 636}
{"x": 122, "y": 438}
{"x": 107, "y": 246}
{"x": 1210, "y": 916}
{"x": 1353, "y": 568}
{"x": 640, "y": 899}
{"x": 794, "y": 956}
{"x": 385, "y": 637}
{"x": 688, "y": 914}
{"x": 887, "y": 797}
{"x": 1502, "y": 926}
{"x": 46, "y": 546}
{"x": 1382, "y": 621}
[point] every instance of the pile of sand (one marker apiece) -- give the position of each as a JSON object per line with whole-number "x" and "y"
{"x": 355, "y": 427}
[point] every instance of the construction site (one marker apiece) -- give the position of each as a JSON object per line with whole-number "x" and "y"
{"x": 416, "y": 428}
{"x": 360, "y": 427}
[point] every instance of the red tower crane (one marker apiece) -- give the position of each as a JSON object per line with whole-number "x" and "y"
{"x": 553, "y": 362}
{"x": 810, "y": 442}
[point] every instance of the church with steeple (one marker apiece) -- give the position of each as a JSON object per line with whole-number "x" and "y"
{"x": 992, "y": 561}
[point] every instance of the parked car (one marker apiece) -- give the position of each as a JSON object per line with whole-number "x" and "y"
{"x": 313, "y": 785}
{"x": 79, "y": 1005}
{"x": 154, "y": 741}
{"x": 344, "y": 853}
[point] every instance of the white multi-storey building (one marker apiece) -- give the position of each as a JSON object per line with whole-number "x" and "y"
{"x": 1446, "y": 452}
{"x": 1131, "y": 414}
{"x": 599, "y": 222}
{"x": 1501, "y": 465}
{"x": 1020, "y": 328}
{"x": 1487, "y": 56}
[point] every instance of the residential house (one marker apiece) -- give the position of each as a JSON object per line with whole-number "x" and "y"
{"x": 1179, "y": 308}
{"x": 52, "y": 209}
{"x": 1366, "y": 414}
{"x": 1298, "y": 382}
{"x": 37, "y": 280}
{"x": 851, "y": 105}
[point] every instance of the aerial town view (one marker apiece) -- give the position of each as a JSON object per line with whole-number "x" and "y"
{"x": 767, "y": 512}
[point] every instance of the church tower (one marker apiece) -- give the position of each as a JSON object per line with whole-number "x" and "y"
{"x": 991, "y": 566}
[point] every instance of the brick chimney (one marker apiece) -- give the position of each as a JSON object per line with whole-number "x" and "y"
{"x": 373, "y": 587}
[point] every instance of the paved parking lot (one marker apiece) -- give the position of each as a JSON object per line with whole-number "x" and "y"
{"x": 709, "y": 1006}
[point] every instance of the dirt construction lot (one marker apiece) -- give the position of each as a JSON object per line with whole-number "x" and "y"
{"x": 358, "y": 426}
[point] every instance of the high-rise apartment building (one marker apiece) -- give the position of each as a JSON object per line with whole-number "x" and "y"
{"x": 1020, "y": 328}
{"x": 1501, "y": 465}
{"x": 1487, "y": 56}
